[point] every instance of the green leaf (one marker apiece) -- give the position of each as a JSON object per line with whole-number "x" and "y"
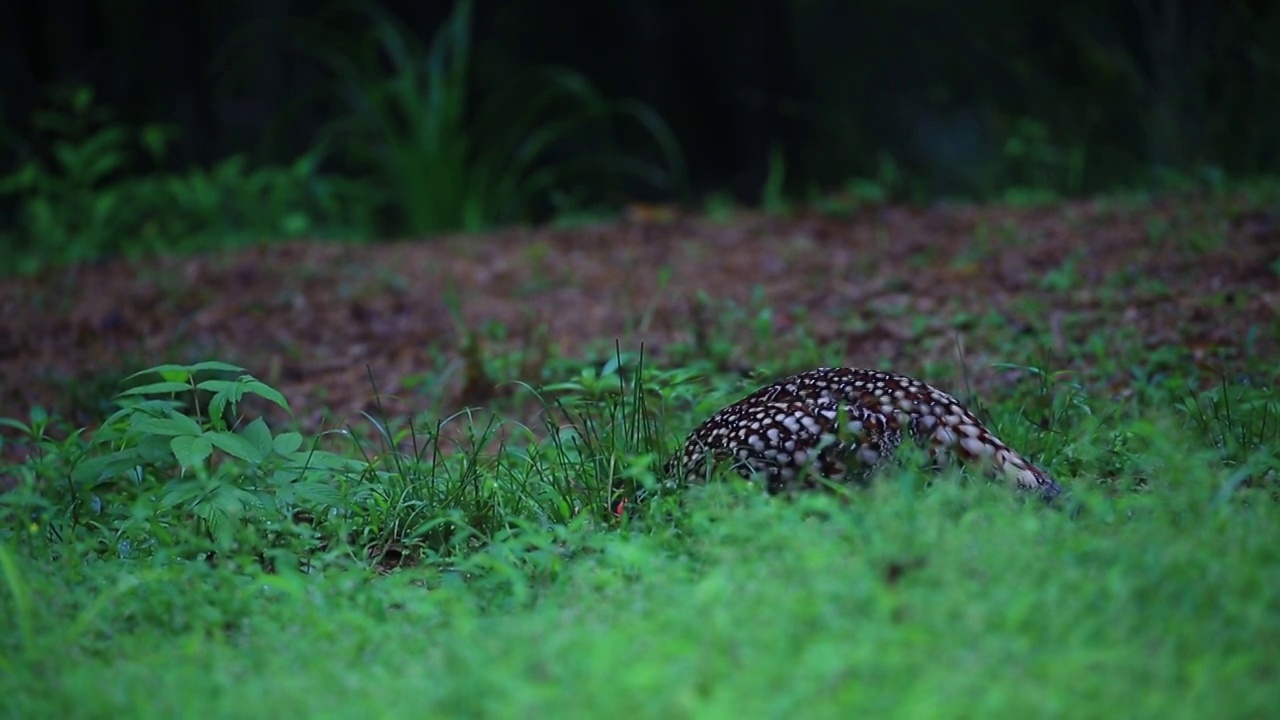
{"x": 217, "y": 407}
{"x": 263, "y": 390}
{"x": 288, "y": 442}
{"x": 232, "y": 388}
{"x": 191, "y": 451}
{"x": 308, "y": 492}
{"x": 19, "y": 426}
{"x": 168, "y": 372}
{"x": 173, "y": 424}
{"x": 133, "y": 406}
{"x": 95, "y": 471}
{"x": 181, "y": 493}
{"x": 257, "y": 433}
{"x": 157, "y": 388}
{"x": 225, "y": 391}
{"x": 235, "y": 446}
{"x": 215, "y": 365}
{"x": 21, "y": 607}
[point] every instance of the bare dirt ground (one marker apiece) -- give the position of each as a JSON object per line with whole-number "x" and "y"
{"x": 316, "y": 320}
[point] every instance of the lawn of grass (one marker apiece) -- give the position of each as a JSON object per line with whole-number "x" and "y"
{"x": 947, "y": 602}
{"x": 195, "y": 555}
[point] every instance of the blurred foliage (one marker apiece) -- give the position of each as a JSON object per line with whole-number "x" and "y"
{"x": 419, "y": 159}
{"x": 96, "y": 196}
{"x": 507, "y": 114}
{"x": 545, "y": 134}
{"x": 984, "y": 98}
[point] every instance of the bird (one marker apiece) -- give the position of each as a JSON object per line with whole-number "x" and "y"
{"x": 840, "y": 424}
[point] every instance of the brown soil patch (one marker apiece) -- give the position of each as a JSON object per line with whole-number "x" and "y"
{"x": 888, "y": 283}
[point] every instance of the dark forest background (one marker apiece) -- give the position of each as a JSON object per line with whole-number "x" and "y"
{"x": 921, "y": 99}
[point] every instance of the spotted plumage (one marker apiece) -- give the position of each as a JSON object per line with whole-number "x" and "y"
{"x": 841, "y": 423}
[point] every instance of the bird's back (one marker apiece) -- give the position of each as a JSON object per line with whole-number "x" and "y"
{"x": 838, "y": 423}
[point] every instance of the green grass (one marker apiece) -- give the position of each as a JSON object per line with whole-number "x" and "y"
{"x": 184, "y": 560}
{"x": 903, "y": 602}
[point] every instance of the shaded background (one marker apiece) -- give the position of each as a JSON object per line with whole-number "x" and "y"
{"x": 943, "y": 96}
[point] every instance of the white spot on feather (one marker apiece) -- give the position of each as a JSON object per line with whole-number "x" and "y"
{"x": 976, "y": 447}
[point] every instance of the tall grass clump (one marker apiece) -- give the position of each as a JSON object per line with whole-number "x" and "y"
{"x": 444, "y": 165}
{"x": 189, "y": 467}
